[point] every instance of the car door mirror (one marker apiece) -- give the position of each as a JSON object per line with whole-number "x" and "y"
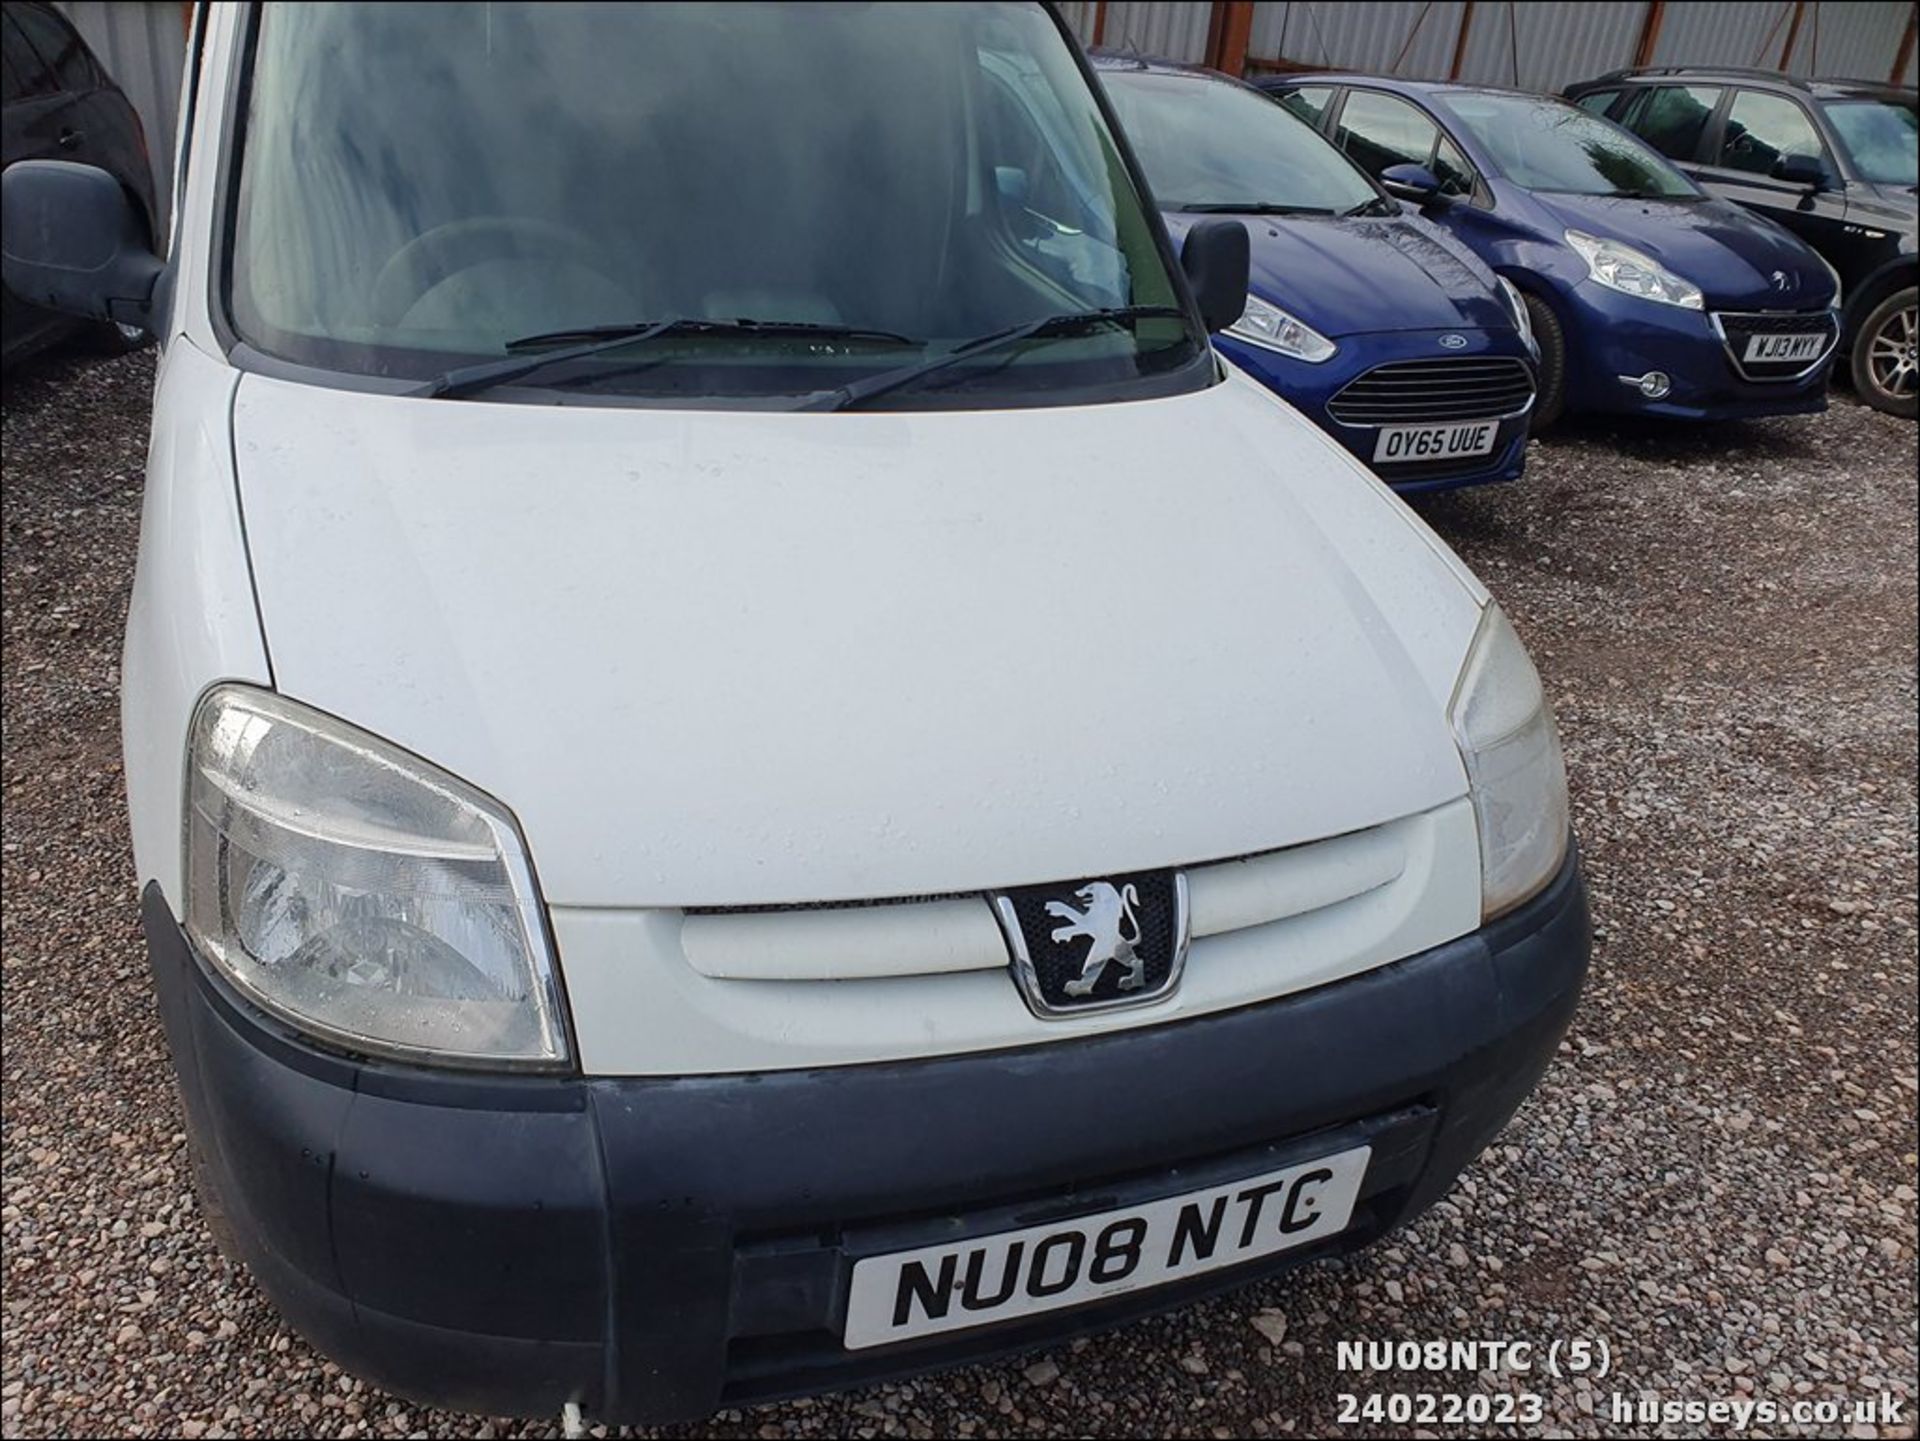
{"x": 1215, "y": 258}
{"x": 1808, "y": 170}
{"x": 72, "y": 240}
{"x": 1412, "y": 182}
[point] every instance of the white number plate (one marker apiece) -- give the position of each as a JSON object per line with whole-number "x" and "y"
{"x": 1434, "y": 442}
{"x": 995, "y": 1278}
{"x": 1785, "y": 347}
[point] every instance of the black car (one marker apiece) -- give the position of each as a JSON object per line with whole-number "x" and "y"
{"x": 1834, "y": 161}
{"x": 59, "y": 104}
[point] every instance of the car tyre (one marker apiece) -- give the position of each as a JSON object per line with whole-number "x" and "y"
{"x": 1886, "y": 362}
{"x": 1551, "y": 398}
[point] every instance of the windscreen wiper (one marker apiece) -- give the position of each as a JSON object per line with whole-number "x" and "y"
{"x": 858, "y": 392}
{"x": 1373, "y": 207}
{"x": 1244, "y": 207}
{"x": 529, "y": 353}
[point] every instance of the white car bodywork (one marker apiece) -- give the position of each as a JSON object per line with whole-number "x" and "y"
{"x": 716, "y": 659}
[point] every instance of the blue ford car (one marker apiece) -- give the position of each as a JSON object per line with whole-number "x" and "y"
{"x": 1381, "y": 328}
{"x": 1648, "y": 295}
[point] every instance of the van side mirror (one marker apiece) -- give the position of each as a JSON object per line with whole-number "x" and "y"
{"x": 1215, "y": 258}
{"x": 1411, "y": 182}
{"x": 1808, "y": 170}
{"x": 72, "y": 240}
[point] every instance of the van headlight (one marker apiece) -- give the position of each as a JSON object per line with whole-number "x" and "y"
{"x": 1622, "y": 268}
{"x": 1512, "y": 753}
{"x": 363, "y": 895}
{"x": 1271, "y": 328}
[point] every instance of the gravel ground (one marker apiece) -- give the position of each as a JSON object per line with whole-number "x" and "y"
{"x": 1716, "y": 1179}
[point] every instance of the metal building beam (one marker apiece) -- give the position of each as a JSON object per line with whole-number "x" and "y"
{"x": 1649, "y": 33}
{"x": 1228, "y": 34}
{"x": 1460, "y": 40}
{"x": 1793, "y": 33}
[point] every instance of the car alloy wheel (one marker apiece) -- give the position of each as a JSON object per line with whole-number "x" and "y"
{"x": 1891, "y": 354}
{"x": 1886, "y": 356}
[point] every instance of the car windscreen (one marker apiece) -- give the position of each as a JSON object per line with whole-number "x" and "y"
{"x": 1543, "y": 144}
{"x": 1212, "y": 145}
{"x": 422, "y": 185}
{"x": 1882, "y": 138}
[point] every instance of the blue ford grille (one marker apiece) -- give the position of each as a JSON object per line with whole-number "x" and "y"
{"x": 1405, "y": 392}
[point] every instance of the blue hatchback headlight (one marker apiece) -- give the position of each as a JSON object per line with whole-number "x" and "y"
{"x": 1271, "y": 328}
{"x": 1622, "y": 268}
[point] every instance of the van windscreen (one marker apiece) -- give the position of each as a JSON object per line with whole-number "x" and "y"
{"x": 421, "y": 186}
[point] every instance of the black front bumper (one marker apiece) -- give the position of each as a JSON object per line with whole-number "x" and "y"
{"x": 657, "y": 1248}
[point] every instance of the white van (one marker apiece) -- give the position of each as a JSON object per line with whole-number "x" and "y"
{"x": 751, "y": 767}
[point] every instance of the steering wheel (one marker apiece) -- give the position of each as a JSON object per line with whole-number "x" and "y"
{"x": 446, "y": 250}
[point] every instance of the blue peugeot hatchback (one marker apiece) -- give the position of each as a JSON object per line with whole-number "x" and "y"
{"x": 1389, "y": 334}
{"x": 1648, "y": 295}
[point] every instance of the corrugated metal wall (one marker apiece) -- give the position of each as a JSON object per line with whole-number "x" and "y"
{"x": 1171, "y": 31}
{"x": 1551, "y": 45}
{"x": 1553, "y": 42}
{"x": 1849, "y": 39}
{"x": 1549, "y": 42}
{"x": 1420, "y": 36}
{"x": 144, "y": 47}
{"x": 1079, "y": 15}
{"x": 1855, "y": 39}
{"x": 1709, "y": 32}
